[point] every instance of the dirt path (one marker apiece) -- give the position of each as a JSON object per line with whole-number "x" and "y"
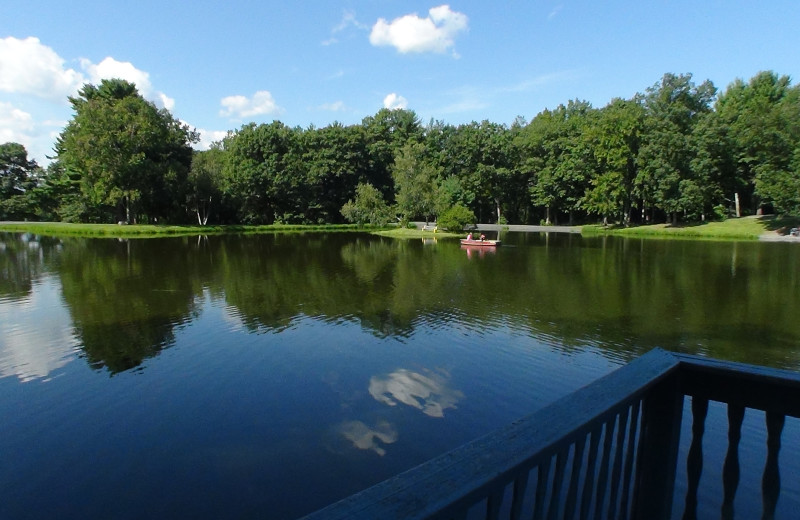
{"x": 774, "y": 236}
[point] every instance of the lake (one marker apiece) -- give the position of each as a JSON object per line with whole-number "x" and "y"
{"x": 269, "y": 375}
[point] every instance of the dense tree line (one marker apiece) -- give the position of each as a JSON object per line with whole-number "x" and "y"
{"x": 677, "y": 152}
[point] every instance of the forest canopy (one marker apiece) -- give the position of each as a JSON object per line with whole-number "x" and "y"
{"x": 677, "y": 152}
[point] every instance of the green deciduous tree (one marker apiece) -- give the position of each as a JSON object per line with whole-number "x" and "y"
{"x": 263, "y": 175}
{"x": 762, "y": 120}
{"x": 368, "y": 207}
{"x": 204, "y": 183}
{"x": 558, "y": 156}
{"x": 18, "y": 179}
{"x": 456, "y": 218}
{"x": 673, "y": 108}
{"x": 416, "y": 182}
{"x": 335, "y": 160}
{"x": 133, "y": 158}
{"x": 615, "y": 135}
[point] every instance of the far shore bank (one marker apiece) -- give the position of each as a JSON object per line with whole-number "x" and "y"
{"x": 752, "y": 228}
{"x": 767, "y": 228}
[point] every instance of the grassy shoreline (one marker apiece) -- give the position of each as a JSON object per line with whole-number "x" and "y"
{"x": 415, "y": 233}
{"x": 154, "y": 231}
{"x": 744, "y": 228}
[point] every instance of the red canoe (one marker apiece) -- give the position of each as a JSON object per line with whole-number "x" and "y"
{"x": 480, "y": 243}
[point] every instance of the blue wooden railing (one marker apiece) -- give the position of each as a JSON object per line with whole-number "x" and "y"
{"x": 609, "y": 450}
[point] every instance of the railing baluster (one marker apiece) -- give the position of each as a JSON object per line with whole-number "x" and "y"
{"x": 771, "y": 481}
{"x": 493, "y": 503}
{"x": 657, "y": 459}
{"x": 640, "y": 427}
{"x": 617, "y": 468}
{"x": 591, "y": 463}
{"x": 541, "y": 488}
{"x": 461, "y": 515}
{"x": 694, "y": 461}
{"x": 730, "y": 469}
{"x": 555, "y": 495}
{"x": 629, "y": 457}
{"x": 574, "y": 479}
{"x": 520, "y": 486}
{"x": 602, "y": 480}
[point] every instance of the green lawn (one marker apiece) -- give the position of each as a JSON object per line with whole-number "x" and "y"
{"x": 744, "y": 228}
{"x": 415, "y": 233}
{"x": 151, "y": 231}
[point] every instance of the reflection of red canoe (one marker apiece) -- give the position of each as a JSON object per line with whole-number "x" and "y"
{"x": 480, "y": 243}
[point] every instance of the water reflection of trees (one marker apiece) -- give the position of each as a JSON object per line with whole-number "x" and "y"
{"x": 22, "y": 260}
{"x": 731, "y": 300}
{"x": 127, "y": 297}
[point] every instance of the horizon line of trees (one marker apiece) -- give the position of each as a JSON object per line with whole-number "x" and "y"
{"x": 677, "y": 152}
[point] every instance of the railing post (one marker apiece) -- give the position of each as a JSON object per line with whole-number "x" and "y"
{"x": 658, "y": 451}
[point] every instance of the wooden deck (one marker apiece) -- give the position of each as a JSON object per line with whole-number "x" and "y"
{"x": 608, "y": 450}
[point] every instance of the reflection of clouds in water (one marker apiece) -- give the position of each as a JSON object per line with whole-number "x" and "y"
{"x": 233, "y": 318}
{"x": 365, "y": 438}
{"x": 36, "y": 335}
{"x": 428, "y": 393}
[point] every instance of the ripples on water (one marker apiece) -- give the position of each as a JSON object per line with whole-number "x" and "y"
{"x": 238, "y": 375}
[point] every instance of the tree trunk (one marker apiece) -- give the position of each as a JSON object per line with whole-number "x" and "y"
{"x": 547, "y": 217}
{"x": 738, "y": 207}
{"x": 626, "y": 216}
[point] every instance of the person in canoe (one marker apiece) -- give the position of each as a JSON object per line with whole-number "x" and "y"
{"x": 469, "y": 237}
{"x": 483, "y": 237}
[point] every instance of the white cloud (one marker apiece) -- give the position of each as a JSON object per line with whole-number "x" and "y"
{"x": 394, "y": 101}
{"x": 39, "y": 82}
{"x": 336, "y": 75}
{"x": 209, "y": 137}
{"x": 410, "y": 33}
{"x": 555, "y": 11}
{"x": 539, "y": 81}
{"x": 15, "y": 125}
{"x": 28, "y": 67}
{"x": 336, "y": 106}
{"x": 348, "y": 20}
{"x": 262, "y": 102}
{"x": 110, "y": 68}
{"x": 31, "y": 68}
{"x": 38, "y": 137}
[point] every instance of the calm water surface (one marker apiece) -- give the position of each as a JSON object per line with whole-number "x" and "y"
{"x": 267, "y": 376}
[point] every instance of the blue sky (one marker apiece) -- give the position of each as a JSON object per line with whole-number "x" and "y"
{"x": 218, "y": 65}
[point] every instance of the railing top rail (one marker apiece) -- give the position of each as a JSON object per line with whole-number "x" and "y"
{"x": 742, "y": 369}
{"x": 458, "y": 476}
{"x": 761, "y": 388}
